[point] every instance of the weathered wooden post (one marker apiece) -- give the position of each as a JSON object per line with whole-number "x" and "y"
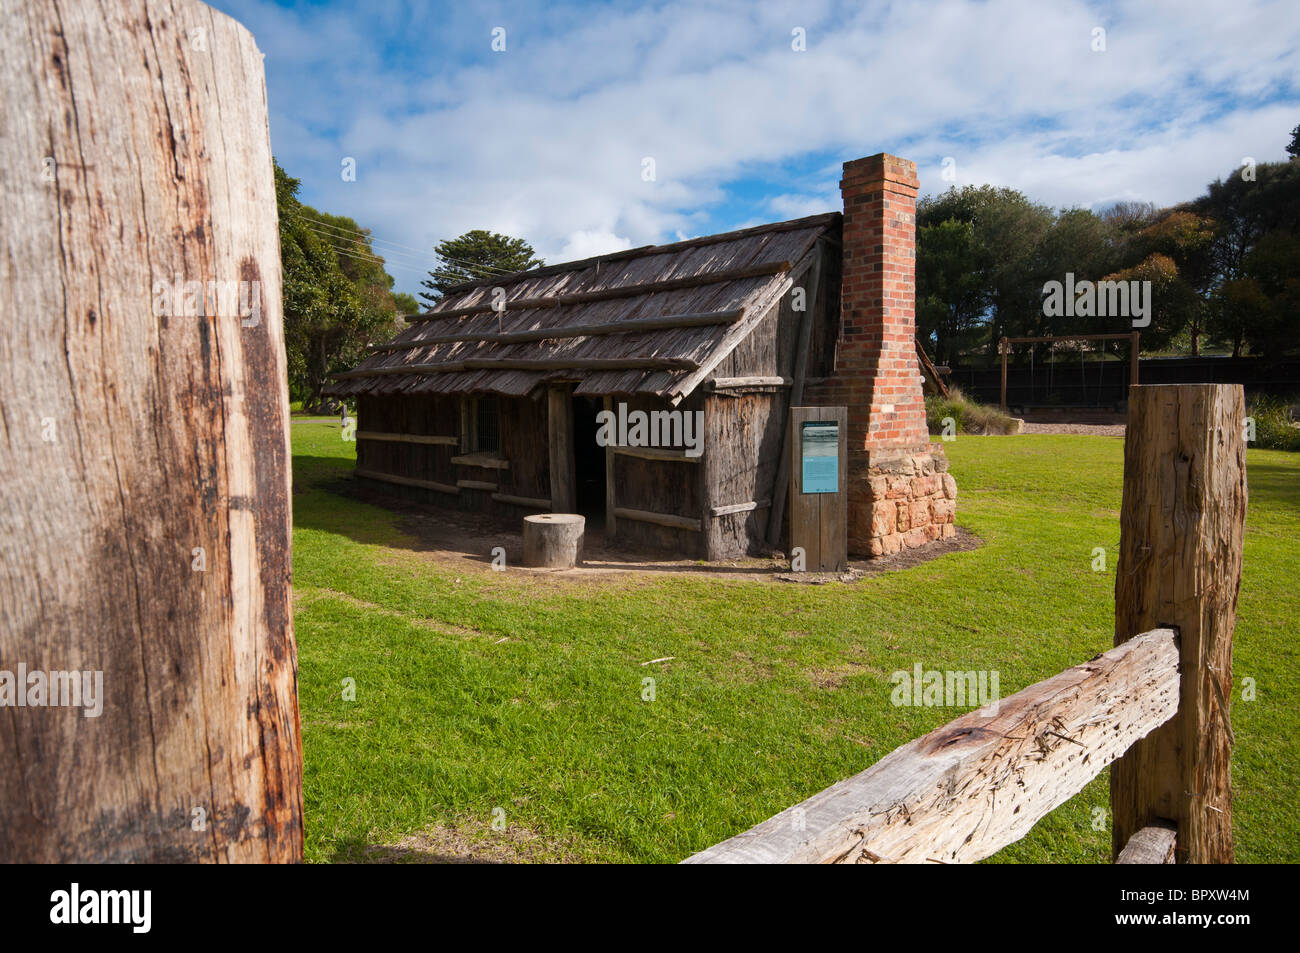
{"x": 1181, "y": 527}
{"x": 559, "y": 416}
{"x": 144, "y": 525}
{"x": 1003, "y": 347}
{"x": 1134, "y": 356}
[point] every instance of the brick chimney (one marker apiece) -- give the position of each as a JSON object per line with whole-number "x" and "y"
{"x": 900, "y": 491}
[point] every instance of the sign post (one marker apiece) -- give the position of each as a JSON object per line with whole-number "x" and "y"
{"x": 818, "y": 489}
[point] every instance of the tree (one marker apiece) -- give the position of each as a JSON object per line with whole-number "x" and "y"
{"x": 1084, "y": 244}
{"x": 406, "y": 304}
{"x": 1293, "y": 148}
{"x": 337, "y": 295}
{"x": 950, "y": 298}
{"x": 1174, "y": 251}
{"x": 1006, "y": 232}
{"x": 1257, "y": 222}
{"x": 476, "y": 255}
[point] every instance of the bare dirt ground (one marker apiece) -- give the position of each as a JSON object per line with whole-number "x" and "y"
{"x": 465, "y": 542}
{"x": 1096, "y": 423}
{"x": 1096, "y": 430}
{"x": 466, "y": 844}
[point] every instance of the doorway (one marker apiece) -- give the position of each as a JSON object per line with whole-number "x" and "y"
{"x": 588, "y": 459}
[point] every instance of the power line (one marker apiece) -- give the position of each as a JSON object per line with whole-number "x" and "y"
{"x": 401, "y": 256}
{"x": 325, "y": 239}
{"x": 460, "y": 262}
{"x": 361, "y": 256}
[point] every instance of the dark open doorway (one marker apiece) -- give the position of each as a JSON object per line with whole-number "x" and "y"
{"x": 588, "y": 458}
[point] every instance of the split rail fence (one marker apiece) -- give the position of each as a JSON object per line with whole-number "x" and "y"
{"x": 1155, "y": 708}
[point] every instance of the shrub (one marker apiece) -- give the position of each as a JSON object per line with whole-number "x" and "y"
{"x": 969, "y": 416}
{"x": 1275, "y": 425}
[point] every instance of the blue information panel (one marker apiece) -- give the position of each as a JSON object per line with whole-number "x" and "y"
{"x": 821, "y": 456}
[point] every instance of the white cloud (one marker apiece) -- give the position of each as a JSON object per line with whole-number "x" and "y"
{"x": 589, "y": 244}
{"x": 545, "y": 141}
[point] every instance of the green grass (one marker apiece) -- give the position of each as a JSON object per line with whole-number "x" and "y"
{"x": 477, "y": 690}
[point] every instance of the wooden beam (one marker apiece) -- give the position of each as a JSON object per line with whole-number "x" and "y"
{"x": 656, "y": 453}
{"x": 757, "y": 307}
{"x": 733, "y": 383}
{"x": 530, "y": 501}
{"x": 1181, "y": 527}
{"x": 966, "y": 790}
{"x": 481, "y": 461}
{"x": 1151, "y": 845}
{"x": 629, "y": 326}
{"x": 730, "y": 508}
{"x": 709, "y": 478}
{"x": 624, "y": 291}
{"x": 405, "y": 481}
{"x": 1134, "y": 356}
{"x": 475, "y": 485}
{"x": 1124, "y": 335}
{"x": 781, "y": 485}
{"x": 559, "y": 417}
{"x": 407, "y": 438}
{"x": 929, "y": 366}
{"x": 611, "y": 501}
{"x": 1003, "y": 348}
{"x": 530, "y": 364}
{"x": 661, "y": 519}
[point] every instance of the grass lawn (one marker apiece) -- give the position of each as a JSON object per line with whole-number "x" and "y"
{"x": 479, "y": 690}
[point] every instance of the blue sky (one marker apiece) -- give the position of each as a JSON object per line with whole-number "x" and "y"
{"x": 547, "y": 139}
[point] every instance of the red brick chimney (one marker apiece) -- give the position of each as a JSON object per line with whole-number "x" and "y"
{"x": 900, "y": 493}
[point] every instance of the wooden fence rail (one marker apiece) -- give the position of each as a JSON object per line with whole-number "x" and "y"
{"x": 1157, "y": 703}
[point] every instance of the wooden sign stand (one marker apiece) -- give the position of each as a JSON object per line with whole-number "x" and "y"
{"x": 818, "y": 515}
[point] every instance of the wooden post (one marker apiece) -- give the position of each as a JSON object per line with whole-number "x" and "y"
{"x": 1134, "y": 351}
{"x": 144, "y": 541}
{"x": 611, "y": 497}
{"x": 1181, "y": 526}
{"x": 1003, "y": 347}
{"x": 560, "y": 424}
{"x": 708, "y": 474}
{"x": 819, "y": 521}
{"x": 799, "y": 375}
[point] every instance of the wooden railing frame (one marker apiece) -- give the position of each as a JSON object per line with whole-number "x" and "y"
{"x": 1157, "y": 704}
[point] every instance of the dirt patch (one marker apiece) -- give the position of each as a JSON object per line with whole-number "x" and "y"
{"x": 470, "y": 843}
{"x": 1096, "y": 422}
{"x": 1095, "y": 430}
{"x": 471, "y": 542}
{"x": 832, "y": 678}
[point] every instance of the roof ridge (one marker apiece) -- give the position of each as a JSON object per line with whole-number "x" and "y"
{"x": 793, "y": 224}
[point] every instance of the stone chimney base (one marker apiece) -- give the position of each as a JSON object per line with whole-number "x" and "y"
{"x": 899, "y": 499}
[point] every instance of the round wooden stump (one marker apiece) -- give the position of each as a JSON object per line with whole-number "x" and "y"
{"x": 553, "y": 540}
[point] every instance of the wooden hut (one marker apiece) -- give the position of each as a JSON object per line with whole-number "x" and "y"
{"x": 498, "y": 399}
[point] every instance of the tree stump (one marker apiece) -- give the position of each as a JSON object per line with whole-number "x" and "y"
{"x": 553, "y": 540}
{"x": 144, "y": 526}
